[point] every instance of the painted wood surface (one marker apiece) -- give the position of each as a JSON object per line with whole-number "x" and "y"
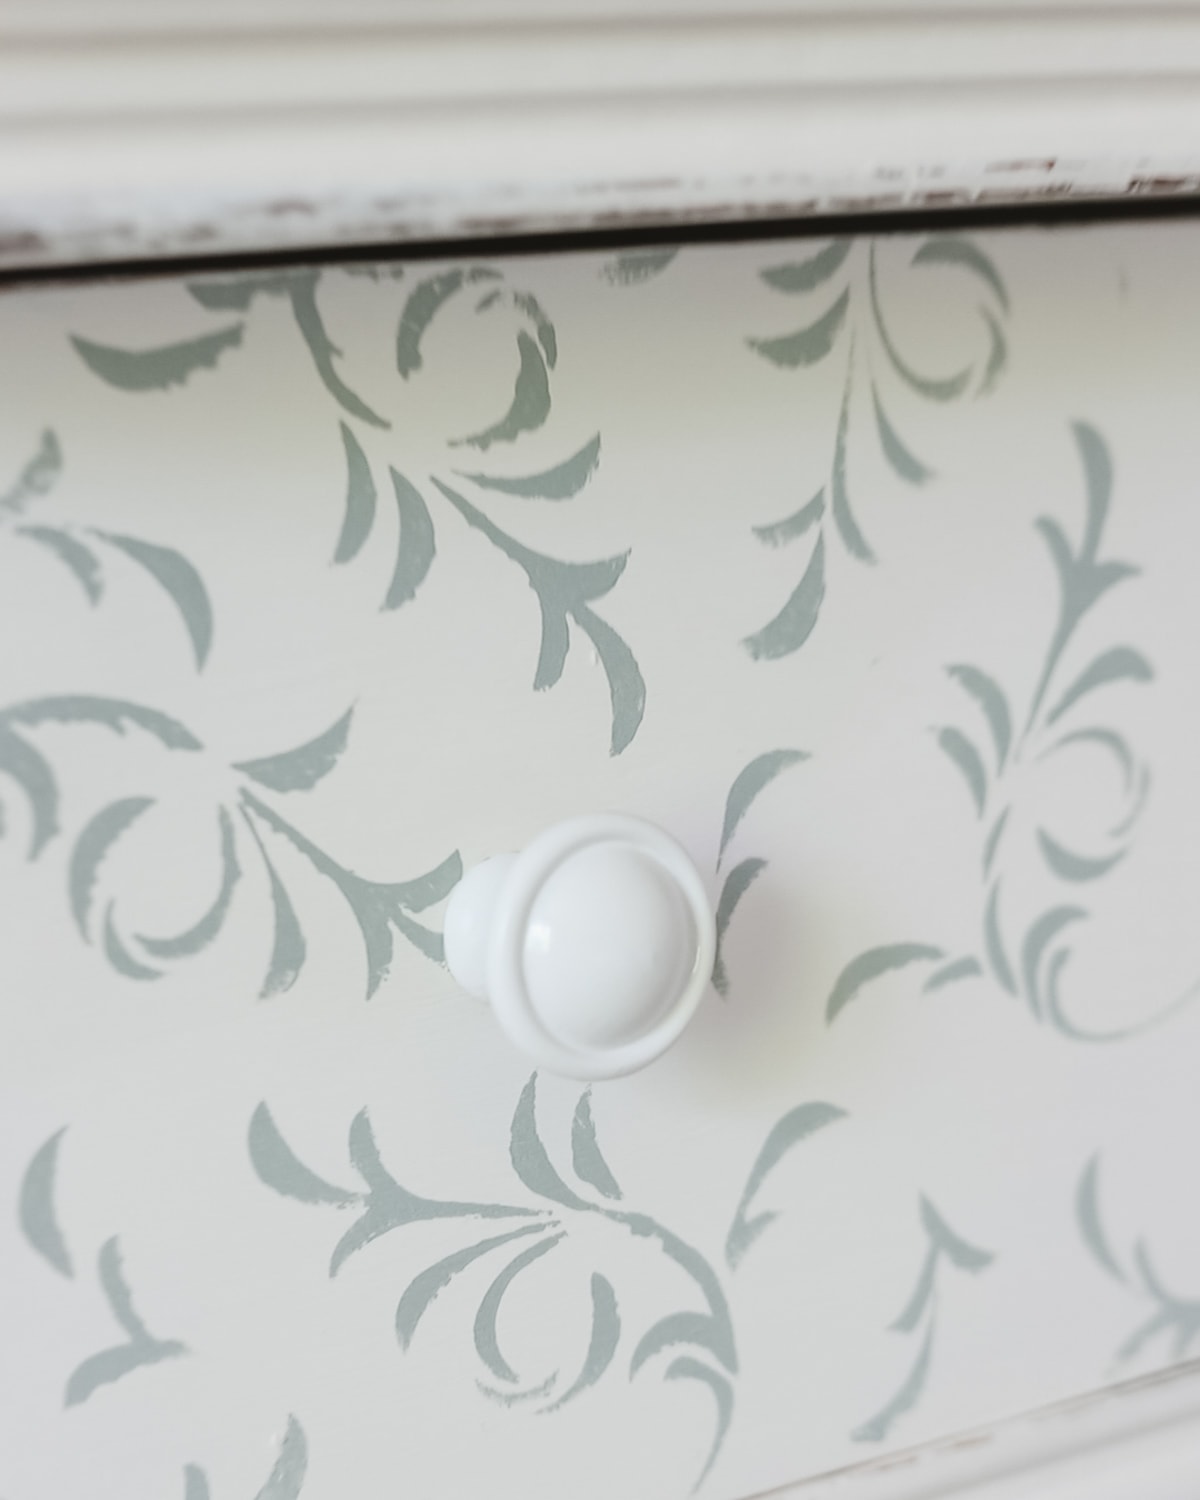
{"x": 864, "y": 567}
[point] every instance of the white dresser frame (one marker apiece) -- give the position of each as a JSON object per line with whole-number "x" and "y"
{"x": 223, "y": 127}
{"x": 193, "y": 127}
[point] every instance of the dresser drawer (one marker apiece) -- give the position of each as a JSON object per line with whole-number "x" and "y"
{"x": 865, "y": 567}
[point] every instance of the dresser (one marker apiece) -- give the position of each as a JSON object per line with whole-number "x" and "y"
{"x": 856, "y": 555}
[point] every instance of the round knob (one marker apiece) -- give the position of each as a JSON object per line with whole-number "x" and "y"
{"x": 594, "y": 945}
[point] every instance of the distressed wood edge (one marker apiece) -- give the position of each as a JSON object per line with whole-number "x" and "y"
{"x": 818, "y": 116}
{"x": 1138, "y": 1438}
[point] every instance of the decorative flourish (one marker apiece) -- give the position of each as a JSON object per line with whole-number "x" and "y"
{"x": 38, "y": 1220}
{"x": 36, "y": 1212}
{"x": 285, "y": 1480}
{"x": 997, "y": 782}
{"x": 565, "y": 590}
{"x": 140, "y": 1347}
{"x": 381, "y": 909}
{"x": 79, "y": 548}
{"x": 753, "y": 779}
{"x": 697, "y": 1340}
{"x": 854, "y": 328}
{"x": 1173, "y": 1317}
{"x": 919, "y": 1316}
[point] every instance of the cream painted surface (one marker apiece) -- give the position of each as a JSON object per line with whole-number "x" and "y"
{"x": 287, "y": 569}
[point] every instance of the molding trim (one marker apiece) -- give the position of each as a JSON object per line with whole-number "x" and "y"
{"x": 1137, "y": 1439}
{"x": 129, "y": 132}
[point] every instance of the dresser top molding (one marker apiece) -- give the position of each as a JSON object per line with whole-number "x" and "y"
{"x": 204, "y": 127}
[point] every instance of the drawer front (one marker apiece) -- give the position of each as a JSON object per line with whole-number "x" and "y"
{"x": 864, "y": 567}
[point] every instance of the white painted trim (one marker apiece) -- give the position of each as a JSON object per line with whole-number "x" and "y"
{"x": 1136, "y": 1441}
{"x": 187, "y": 127}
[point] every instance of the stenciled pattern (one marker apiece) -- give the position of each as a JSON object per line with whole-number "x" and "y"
{"x": 1174, "y": 1321}
{"x": 1057, "y": 721}
{"x": 566, "y": 591}
{"x": 684, "y": 1281}
{"x": 39, "y": 1223}
{"x": 699, "y": 1342}
{"x": 852, "y": 332}
{"x": 917, "y": 1320}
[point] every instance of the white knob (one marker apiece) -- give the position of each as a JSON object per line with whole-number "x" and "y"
{"x": 594, "y": 945}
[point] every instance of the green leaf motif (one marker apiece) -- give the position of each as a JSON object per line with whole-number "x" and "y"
{"x": 993, "y": 840}
{"x": 954, "y": 1247}
{"x": 278, "y": 1166}
{"x": 31, "y": 771}
{"x": 379, "y": 908}
{"x": 530, "y": 403}
{"x": 92, "y": 848}
{"x": 1120, "y": 664}
{"x": 423, "y": 1289}
{"x": 528, "y": 304}
{"x": 180, "y": 581}
{"x": 37, "y": 478}
{"x": 300, "y": 769}
{"x": 779, "y": 533}
{"x": 602, "y": 1346}
{"x": 852, "y": 538}
{"x": 1075, "y": 867}
{"x": 795, "y": 1126}
{"x": 360, "y": 499}
{"x": 913, "y": 1310}
{"x": 564, "y": 591}
{"x": 737, "y": 883}
{"x": 562, "y": 482}
{"x": 997, "y": 358}
{"x": 300, "y": 288}
{"x": 157, "y": 369}
{"x": 636, "y": 266}
{"x": 118, "y": 955}
{"x": 1039, "y": 937}
{"x": 423, "y": 304}
{"x": 35, "y": 1206}
{"x": 809, "y": 345}
{"x": 586, "y": 1156}
{"x": 687, "y": 1368}
{"x": 77, "y": 557}
{"x": 487, "y": 1343}
{"x": 391, "y": 1206}
{"x": 142, "y": 1348}
{"x": 951, "y": 973}
{"x": 806, "y": 275}
{"x": 288, "y": 949}
{"x": 111, "y": 713}
{"x": 528, "y": 1154}
{"x": 877, "y": 1429}
{"x": 872, "y": 965}
{"x": 947, "y": 388}
{"x": 750, "y": 782}
{"x": 994, "y": 942}
{"x": 202, "y": 932}
{"x": 416, "y": 544}
{"x": 902, "y": 461}
{"x": 1091, "y": 1227}
{"x": 959, "y": 749}
{"x": 285, "y": 1480}
{"x": 988, "y": 694}
{"x": 195, "y": 1483}
{"x": 797, "y": 620}
{"x": 953, "y": 250}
